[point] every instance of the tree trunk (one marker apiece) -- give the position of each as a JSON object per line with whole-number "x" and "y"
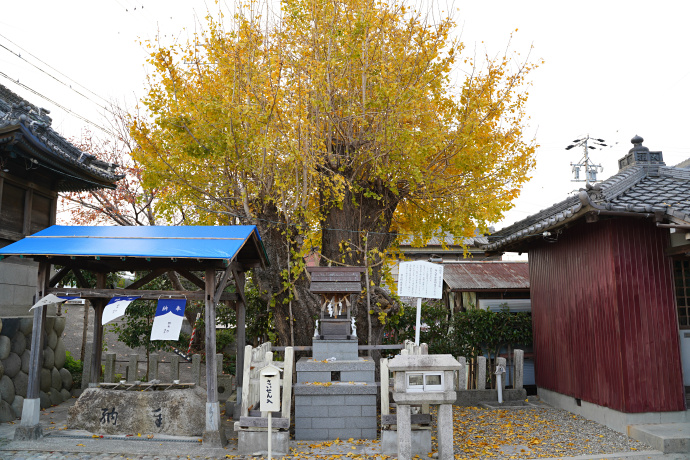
{"x": 270, "y": 281}
{"x": 344, "y": 228}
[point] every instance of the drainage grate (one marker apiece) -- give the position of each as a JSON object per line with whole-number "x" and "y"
{"x": 118, "y": 438}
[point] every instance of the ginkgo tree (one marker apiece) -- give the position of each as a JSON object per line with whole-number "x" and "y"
{"x": 335, "y": 127}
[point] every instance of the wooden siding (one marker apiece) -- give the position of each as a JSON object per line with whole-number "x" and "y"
{"x": 604, "y": 316}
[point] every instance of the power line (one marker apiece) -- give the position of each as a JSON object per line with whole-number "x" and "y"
{"x": 16, "y": 82}
{"x": 51, "y": 67}
{"x": 57, "y": 79}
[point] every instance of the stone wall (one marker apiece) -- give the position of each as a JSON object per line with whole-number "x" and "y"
{"x": 18, "y": 286}
{"x": 15, "y": 349}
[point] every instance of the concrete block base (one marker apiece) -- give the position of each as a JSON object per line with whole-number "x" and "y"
{"x": 421, "y": 442}
{"x": 28, "y": 433}
{"x": 214, "y": 439}
{"x": 252, "y": 442}
{"x": 31, "y": 412}
{"x": 669, "y": 438}
{"x": 473, "y": 398}
{"x": 616, "y": 420}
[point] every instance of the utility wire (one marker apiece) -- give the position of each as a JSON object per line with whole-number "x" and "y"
{"x": 53, "y": 68}
{"x": 105, "y": 130}
{"x": 58, "y": 80}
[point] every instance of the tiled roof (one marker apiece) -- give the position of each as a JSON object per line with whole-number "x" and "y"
{"x": 640, "y": 188}
{"x": 17, "y": 114}
{"x": 477, "y": 276}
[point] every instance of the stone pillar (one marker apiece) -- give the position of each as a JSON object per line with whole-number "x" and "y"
{"x": 519, "y": 369}
{"x": 445, "y": 431}
{"x": 481, "y": 373}
{"x": 219, "y": 363}
{"x": 30, "y": 427}
{"x": 196, "y": 369}
{"x": 86, "y": 368}
{"x": 153, "y": 366}
{"x": 213, "y": 436}
{"x": 462, "y": 373}
{"x": 132, "y": 369}
{"x": 504, "y": 377}
{"x": 109, "y": 376}
{"x": 174, "y": 368}
{"x": 404, "y": 432}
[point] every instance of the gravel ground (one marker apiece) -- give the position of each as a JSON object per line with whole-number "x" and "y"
{"x": 533, "y": 433}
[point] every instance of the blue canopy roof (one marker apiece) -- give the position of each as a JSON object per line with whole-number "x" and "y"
{"x": 194, "y": 242}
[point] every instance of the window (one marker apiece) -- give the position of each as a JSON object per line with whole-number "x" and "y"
{"x": 424, "y": 381}
{"x": 681, "y": 276}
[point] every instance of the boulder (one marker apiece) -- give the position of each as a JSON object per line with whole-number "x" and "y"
{"x": 52, "y": 339}
{"x": 0, "y": 324}
{"x": 10, "y": 326}
{"x": 46, "y": 380}
{"x": 26, "y": 359}
{"x": 55, "y": 379}
{"x": 48, "y": 358}
{"x": 60, "y": 354}
{"x": 6, "y": 389}
{"x": 45, "y": 400}
{"x": 18, "y": 405}
{"x": 67, "y": 381}
{"x": 13, "y": 364}
{"x": 60, "y": 322}
{"x": 179, "y": 412}
{"x": 6, "y": 412}
{"x": 25, "y": 325}
{"x": 21, "y": 383}
{"x": 18, "y": 343}
{"x": 49, "y": 324}
{"x": 2, "y": 369}
{"x": 5, "y": 347}
{"x": 55, "y": 397}
{"x": 65, "y": 394}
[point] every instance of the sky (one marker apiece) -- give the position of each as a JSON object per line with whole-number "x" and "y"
{"x": 612, "y": 69}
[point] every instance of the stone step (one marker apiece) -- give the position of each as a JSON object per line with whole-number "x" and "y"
{"x": 668, "y": 438}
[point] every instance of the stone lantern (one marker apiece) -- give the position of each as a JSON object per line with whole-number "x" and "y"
{"x": 424, "y": 379}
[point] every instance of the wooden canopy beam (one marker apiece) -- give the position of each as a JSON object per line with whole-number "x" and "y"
{"x": 143, "y": 294}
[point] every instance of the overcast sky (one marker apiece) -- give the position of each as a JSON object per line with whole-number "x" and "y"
{"x": 612, "y": 69}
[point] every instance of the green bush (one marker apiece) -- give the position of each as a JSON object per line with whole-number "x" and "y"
{"x": 74, "y": 366}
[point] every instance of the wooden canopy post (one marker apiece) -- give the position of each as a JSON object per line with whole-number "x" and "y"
{"x": 214, "y": 436}
{"x": 96, "y": 352}
{"x": 241, "y": 339}
{"x": 30, "y": 427}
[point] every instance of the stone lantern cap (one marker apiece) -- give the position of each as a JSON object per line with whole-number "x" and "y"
{"x": 423, "y": 363}
{"x": 433, "y": 376}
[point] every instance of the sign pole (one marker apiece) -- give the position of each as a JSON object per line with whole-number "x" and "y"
{"x": 418, "y": 321}
{"x": 269, "y": 435}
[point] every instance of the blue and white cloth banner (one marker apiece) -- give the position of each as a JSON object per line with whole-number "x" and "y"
{"x": 50, "y": 299}
{"x": 168, "y": 321}
{"x": 117, "y": 307}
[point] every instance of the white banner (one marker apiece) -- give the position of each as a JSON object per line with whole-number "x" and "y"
{"x": 420, "y": 279}
{"x": 168, "y": 321}
{"x": 116, "y": 308}
{"x": 47, "y": 300}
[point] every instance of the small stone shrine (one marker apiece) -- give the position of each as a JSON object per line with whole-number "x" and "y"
{"x": 335, "y": 393}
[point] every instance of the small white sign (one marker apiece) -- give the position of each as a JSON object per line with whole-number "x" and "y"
{"x": 116, "y": 308}
{"x": 420, "y": 279}
{"x": 47, "y": 300}
{"x": 269, "y": 383}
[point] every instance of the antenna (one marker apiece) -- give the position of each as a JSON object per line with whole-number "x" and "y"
{"x": 590, "y": 169}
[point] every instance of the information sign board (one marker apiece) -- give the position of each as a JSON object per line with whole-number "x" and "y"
{"x": 420, "y": 279}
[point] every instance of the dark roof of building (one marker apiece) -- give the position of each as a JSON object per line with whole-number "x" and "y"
{"x": 28, "y": 127}
{"x": 644, "y": 187}
{"x": 438, "y": 241}
{"x": 480, "y": 276}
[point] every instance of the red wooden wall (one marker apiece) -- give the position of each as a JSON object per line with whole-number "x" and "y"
{"x": 604, "y": 316}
